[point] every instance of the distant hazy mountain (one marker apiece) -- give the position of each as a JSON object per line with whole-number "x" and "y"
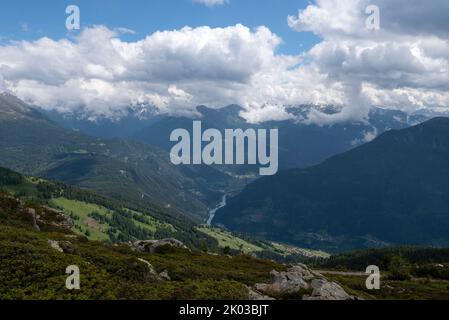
{"x": 135, "y": 119}
{"x": 31, "y": 144}
{"x": 300, "y": 144}
{"x": 158, "y": 133}
{"x": 394, "y": 189}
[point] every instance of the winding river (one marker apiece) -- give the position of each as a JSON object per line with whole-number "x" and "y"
{"x": 214, "y": 211}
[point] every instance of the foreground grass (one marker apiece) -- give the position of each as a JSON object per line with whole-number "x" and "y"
{"x": 415, "y": 289}
{"x": 31, "y": 269}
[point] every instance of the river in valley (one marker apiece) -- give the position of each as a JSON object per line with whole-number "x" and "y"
{"x": 212, "y": 212}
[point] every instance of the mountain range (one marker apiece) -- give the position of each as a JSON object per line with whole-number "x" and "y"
{"x": 393, "y": 190}
{"x": 123, "y": 169}
{"x": 301, "y": 143}
{"x": 339, "y": 186}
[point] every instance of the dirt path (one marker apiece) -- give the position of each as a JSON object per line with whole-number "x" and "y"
{"x": 342, "y": 273}
{"x": 361, "y": 274}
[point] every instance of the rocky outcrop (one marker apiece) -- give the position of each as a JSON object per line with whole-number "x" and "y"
{"x": 164, "y": 275}
{"x": 283, "y": 282}
{"x": 47, "y": 217}
{"x": 34, "y": 218}
{"x": 152, "y": 273}
{"x": 325, "y": 290}
{"x": 300, "y": 279}
{"x": 152, "y": 246}
{"x": 55, "y": 245}
{"x": 57, "y": 218}
{"x": 256, "y": 296}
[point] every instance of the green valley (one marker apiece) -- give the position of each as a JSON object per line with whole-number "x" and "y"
{"x": 34, "y": 264}
{"x": 227, "y": 240}
{"x": 120, "y": 169}
{"x": 391, "y": 191}
{"x": 243, "y": 243}
{"x": 37, "y": 245}
{"x": 100, "y": 218}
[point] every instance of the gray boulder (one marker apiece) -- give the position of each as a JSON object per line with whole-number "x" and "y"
{"x": 165, "y": 276}
{"x": 291, "y": 281}
{"x": 151, "y": 271}
{"x": 151, "y": 246}
{"x": 300, "y": 278}
{"x": 326, "y": 290}
{"x": 34, "y": 218}
{"x": 55, "y": 245}
{"x": 257, "y": 296}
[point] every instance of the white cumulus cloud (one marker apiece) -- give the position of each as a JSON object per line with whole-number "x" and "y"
{"x": 212, "y": 3}
{"x": 172, "y": 70}
{"x": 404, "y": 65}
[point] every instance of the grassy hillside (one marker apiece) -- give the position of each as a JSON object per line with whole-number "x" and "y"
{"x": 34, "y": 266}
{"x": 82, "y": 214}
{"x": 32, "y": 269}
{"x": 124, "y": 170}
{"x": 227, "y": 240}
{"x": 240, "y": 243}
{"x": 413, "y": 289}
{"x": 407, "y": 273}
{"x": 398, "y": 262}
{"x": 100, "y": 223}
{"x": 103, "y": 219}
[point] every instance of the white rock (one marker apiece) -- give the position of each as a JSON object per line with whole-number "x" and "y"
{"x": 55, "y": 245}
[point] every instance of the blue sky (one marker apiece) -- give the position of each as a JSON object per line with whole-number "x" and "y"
{"x": 29, "y": 20}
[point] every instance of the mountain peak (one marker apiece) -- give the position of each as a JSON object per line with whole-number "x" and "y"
{"x": 12, "y": 108}
{"x": 438, "y": 121}
{"x": 233, "y": 110}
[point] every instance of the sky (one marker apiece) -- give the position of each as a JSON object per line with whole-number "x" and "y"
{"x": 265, "y": 55}
{"x": 28, "y": 20}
